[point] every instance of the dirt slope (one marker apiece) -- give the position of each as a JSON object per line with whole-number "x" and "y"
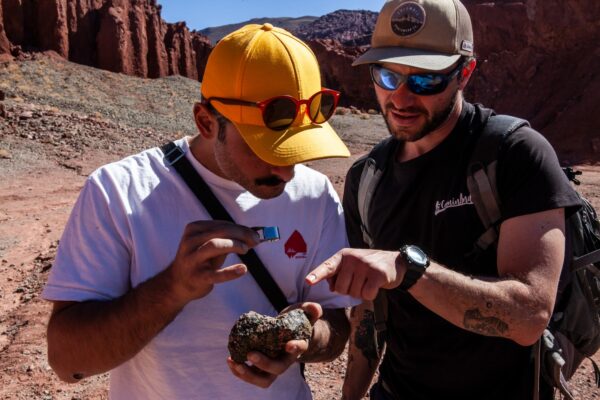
{"x": 58, "y": 122}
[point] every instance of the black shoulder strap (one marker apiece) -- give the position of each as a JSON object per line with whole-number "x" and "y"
{"x": 175, "y": 157}
{"x": 372, "y": 172}
{"x": 481, "y": 175}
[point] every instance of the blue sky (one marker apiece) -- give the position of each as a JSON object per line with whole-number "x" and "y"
{"x": 200, "y": 14}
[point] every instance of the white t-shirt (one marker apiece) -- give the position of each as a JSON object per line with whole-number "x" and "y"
{"x": 125, "y": 228}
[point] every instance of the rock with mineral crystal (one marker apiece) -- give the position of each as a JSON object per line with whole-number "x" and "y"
{"x": 268, "y": 335}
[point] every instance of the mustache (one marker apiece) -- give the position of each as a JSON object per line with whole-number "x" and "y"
{"x": 413, "y": 109}
{"x": 269, "y": 181}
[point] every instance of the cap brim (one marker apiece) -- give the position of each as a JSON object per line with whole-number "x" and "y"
{"x": 295, "y": 145}
{"x": 406, "y": 56}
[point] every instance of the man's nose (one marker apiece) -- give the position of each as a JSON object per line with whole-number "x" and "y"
{"x": 402, "y": 97}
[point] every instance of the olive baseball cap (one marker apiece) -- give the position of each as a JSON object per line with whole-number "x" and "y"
{"x": 427, "y": 34}
{"x": 259, "y": 62}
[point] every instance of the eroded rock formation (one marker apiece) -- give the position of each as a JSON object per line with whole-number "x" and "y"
{"x": 127, "y": 36}
{"x": 4, "y": 43}
{"x": 536, "y": 59}
{"x": 539, "y": 60}
{"x": 350, "y": 28}
{"x": 338, "y": 73}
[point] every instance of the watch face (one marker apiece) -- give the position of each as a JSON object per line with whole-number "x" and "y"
{"x": 416, "y": 255}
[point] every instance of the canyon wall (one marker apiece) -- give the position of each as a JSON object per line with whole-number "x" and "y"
{"x": 127, "y": 36}
{"x": 536, "y": 59}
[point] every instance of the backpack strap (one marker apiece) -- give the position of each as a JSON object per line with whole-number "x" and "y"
{"x": 372, "y": 172}
{"x": 175, "y": 157}
{"x": 585, "y": 260}
{"x": 380, "y": 316}
{"x": 481, "y": 175}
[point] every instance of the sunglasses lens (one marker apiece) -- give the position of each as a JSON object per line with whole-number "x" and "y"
{"x": 421, "y": 84}
{"x": 385, "y": 78}
{"x": 426, "y": 84}
{"x": 279, "y": 113}
{"x": 322, "y": 107}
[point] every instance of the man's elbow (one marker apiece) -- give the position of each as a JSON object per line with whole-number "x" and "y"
{"x": 61, "y": 370}
{"x": 534, "y": 327}
{"x": 57, "y": 356}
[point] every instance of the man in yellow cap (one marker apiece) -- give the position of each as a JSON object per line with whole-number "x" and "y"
{"x": 146, "y": 285}
{"x": 461, "y": 318}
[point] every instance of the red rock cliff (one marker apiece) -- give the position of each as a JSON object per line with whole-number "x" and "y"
{"x": 536, "y": 59}
{"x": 125, "y": 36}
{"x": 539, "y": 60}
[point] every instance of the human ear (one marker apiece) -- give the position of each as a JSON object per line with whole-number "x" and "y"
{"x": 206, "y": 122}
{"x": 466, "y": 72}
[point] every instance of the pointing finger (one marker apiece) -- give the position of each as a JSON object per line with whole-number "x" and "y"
{"x": 326, "y": 270}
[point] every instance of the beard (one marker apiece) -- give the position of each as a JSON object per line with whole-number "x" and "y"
{"x": 432, "y": 122}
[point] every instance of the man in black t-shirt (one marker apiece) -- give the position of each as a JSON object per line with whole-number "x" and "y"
{"x": 457, "y": 328}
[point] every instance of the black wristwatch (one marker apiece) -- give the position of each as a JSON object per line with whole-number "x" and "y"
{"x": 416, "y": 263}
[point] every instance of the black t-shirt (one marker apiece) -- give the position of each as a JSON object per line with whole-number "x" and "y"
{"x": 425, "y": 201}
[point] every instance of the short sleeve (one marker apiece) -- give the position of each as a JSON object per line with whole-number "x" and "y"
{"x": 333, "y": 238}
{"x": 93, "y": 257}
{"x": 530, "y": 178}
{"x": 351, "y": 213}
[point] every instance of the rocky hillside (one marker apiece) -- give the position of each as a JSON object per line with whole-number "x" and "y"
{"x": 216, "y": 33}
{"x": 349, "y": 28}
{"x": 127, "y": 36}
{"x": 537, "y": 59}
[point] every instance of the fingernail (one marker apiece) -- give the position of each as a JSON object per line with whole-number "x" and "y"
{"x": 253, "y": 358}
{"x": 240, "y": 270}
{"x": 311, "y": 278}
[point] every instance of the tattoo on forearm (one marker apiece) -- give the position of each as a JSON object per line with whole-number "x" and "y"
{"x": 489, "y": 326}
{"x": 363, "y": 338}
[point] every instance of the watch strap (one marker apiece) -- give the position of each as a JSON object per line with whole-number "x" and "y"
{"x": 411, "y": 276}
{"x": 414, "y": 271}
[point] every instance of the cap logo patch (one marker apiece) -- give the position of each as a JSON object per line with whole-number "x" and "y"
{"x": 408, "y": 19}
{"x": 466, "y": 45}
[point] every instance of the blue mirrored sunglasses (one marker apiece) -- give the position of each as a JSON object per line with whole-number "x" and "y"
{"x": 421, "y": 84}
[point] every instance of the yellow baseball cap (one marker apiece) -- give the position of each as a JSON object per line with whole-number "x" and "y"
{"x": 259, "y": 62}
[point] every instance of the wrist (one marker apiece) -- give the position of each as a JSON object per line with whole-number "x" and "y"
{"x": 414, "y": 261}
{"x": 174, "y": 292}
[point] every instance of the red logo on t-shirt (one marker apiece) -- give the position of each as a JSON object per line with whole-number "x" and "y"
{"x": 295, "y": 247}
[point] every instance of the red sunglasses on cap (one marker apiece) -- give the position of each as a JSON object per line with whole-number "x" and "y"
{"x": 279, "y": 112}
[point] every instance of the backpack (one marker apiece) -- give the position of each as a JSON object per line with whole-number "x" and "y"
{"x": 573, "y": 332}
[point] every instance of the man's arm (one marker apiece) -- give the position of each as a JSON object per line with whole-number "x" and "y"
{"x": 87, "y": 338}
{"x": 330, "y": 333}
{"x": 516, "y": 306}
{"x": 362, "y": 354}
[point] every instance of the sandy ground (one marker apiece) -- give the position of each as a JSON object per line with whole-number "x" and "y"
{"x": 41, "y": 173}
